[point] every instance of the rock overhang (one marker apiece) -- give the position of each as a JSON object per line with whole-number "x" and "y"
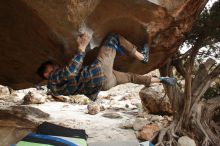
{"x": 35, "y": 31}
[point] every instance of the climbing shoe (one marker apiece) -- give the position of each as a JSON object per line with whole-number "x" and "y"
{"x": 145, "y": 52}
{"x": 112, "y": 41}
{"x": 168, "y": 81}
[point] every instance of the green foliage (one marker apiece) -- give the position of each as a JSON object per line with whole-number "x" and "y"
{"x": 206, "y": 32}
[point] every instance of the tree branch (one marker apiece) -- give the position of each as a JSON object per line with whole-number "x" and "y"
{"x": 183, "y": 56}
{"x": 201, "y": 89}
{"x": 202, "y": 73}
{"x": 215, "y": 73}
{"x": 178, "y": 64}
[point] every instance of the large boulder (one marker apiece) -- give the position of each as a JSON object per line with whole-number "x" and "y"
{"x": 33, "y": 31}
{"x": 155, "y": 101}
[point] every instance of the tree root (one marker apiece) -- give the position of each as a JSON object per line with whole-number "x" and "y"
{"x": 167, "y": 136}
{"x": 196, "y": 118}
{"x": 206, "y": 141}
{"x": 201, "y": 118}
{"x": 208, "y": 123}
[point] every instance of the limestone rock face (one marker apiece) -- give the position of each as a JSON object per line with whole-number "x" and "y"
{"x": 33, "y": 31}
{"x": 155, "y": 102}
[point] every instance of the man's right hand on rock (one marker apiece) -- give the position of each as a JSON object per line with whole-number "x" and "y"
{"x": 82, "y": 41}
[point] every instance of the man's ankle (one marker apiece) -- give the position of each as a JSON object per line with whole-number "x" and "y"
{"x": 168, "y": 81}
{"x": 138, "y": 55}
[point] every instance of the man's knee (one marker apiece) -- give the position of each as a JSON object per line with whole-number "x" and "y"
{"x": 106, "y": 56}
{"x": 109, "y": 82}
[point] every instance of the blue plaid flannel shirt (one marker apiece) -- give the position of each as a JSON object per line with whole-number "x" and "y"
{"x": 75, "y": 79}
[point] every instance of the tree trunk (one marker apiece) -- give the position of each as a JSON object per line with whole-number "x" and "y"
{"x": 199, "y": 119}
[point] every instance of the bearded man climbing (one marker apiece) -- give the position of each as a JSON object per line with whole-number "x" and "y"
{"x": 90, "y": 80}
